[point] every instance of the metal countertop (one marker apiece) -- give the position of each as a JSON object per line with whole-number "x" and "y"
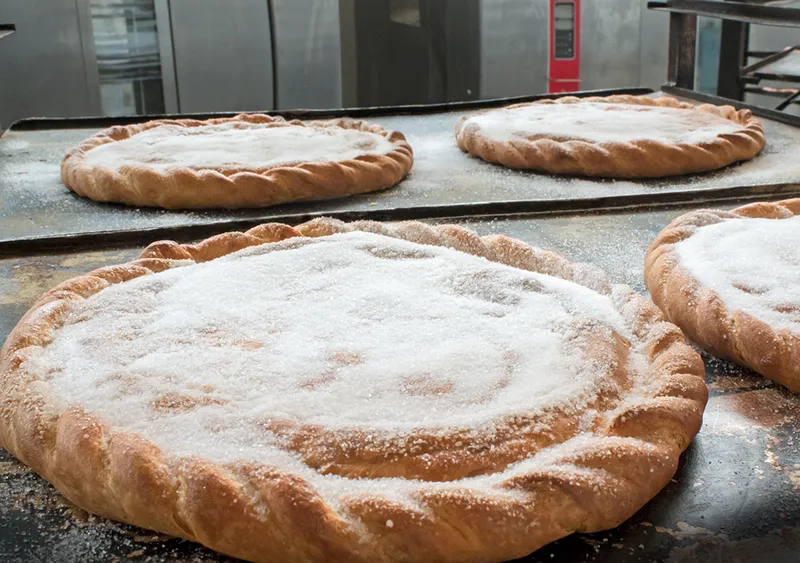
{"x": 735, "y": 498}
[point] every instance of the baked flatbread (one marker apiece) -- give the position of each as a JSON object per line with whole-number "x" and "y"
{"x": 616, "y": 136}
{"x": 352, "y": 392}
{"x": 731, "y": 281}
{"x": 245, "y": 161}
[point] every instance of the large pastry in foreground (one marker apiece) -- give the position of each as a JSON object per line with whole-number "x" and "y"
{"x": 618, "y": 136}
{"x": 246, "y": 161}
{"x": 731, "y": 281}
{"x": 358, "y": 392}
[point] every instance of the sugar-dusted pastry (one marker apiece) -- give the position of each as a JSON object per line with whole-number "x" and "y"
{"x": 731, "y": 281}
{"x": 246, "y": 161}
{"x": 618, "y": 136}
{"x": 359, "y": 392}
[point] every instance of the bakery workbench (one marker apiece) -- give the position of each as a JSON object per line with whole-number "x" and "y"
{"x": 736, "y": 496}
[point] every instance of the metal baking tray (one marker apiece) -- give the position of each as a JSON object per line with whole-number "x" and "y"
{"x": 38, "y": 213}
{"x": 734, "y": 498}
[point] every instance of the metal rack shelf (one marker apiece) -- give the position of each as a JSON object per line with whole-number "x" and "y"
{"x": 734, "y": 73}
{"x": 783, "y": 66}
{"x": 757, "y": 13}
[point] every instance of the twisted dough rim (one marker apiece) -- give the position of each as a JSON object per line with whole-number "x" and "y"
{"x": 700, "y": 311}
{"x": 636, "y": 159}
{"x": 261, "y": 513}
{"x": 232, "y": 188}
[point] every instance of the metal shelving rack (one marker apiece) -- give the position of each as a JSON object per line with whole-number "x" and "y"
{"x": 734, "y": 72}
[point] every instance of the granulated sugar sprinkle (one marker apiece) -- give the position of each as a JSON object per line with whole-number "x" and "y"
{"x": 352, "y": 331}
{"x": 752, "y": 264}
{"x": 603, "y": 123}
{"x": 236, "y": 144}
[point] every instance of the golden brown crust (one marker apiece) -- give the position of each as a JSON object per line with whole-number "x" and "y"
{"x": 637, "y": 159}
{"x": 188, "y": 188}
{"x": 260, "y": 513}
{"x": 701, "y": 313}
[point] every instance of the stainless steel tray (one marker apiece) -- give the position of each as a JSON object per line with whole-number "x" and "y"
{"x": 35, "y": 207}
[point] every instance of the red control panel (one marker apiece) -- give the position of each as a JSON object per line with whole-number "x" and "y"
{"x": 564, "y": 69}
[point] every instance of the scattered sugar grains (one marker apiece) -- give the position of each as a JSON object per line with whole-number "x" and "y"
{"x": 236, "y": 143}
{"x": 753, "y": 264}
{"x": 351, "y": 331}
{"x": 604, "y": 123}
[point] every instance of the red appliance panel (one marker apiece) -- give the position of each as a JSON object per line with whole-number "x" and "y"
{"x": 565, "y": 63}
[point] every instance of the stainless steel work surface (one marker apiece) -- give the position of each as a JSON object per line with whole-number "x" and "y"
{"x": 734, "y": 499}
{"x": 34, "y": 203}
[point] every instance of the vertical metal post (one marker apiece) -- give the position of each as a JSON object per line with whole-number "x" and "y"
{"x": 93, "y": 98}
{"x": 682, "y": 50}
{"x": 169, "y": 80}
{"x": 732, "y": 57}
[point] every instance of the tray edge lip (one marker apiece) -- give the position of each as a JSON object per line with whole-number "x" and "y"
{"x": 99, "y": 122}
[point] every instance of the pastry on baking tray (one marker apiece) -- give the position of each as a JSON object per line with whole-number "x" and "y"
{"x": 352, "y": 392}
{"x": 731, "y": 281}
{"x": 618, "y": 136}
{"x": 244, "y": 161}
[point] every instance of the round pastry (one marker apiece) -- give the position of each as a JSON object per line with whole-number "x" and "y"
{"x": 359, "y": 392}
{"x": 731, "y": 281}
{"x": 616, "y": 136}
{"x": 245, "y": 161}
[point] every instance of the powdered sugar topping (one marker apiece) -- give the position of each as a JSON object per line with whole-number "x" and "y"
{"x": 236, "y": 144}
{"x": 352, "y": 331}
{"x": 602, "y": 123}
{"x": 752, "y": 264}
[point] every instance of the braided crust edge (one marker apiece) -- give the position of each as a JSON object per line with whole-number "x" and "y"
{"x": 701, "y": 313}
{"x": 262, "y": 514}
{"x": 188, "y": 188}
{"x": 636, "y": 159}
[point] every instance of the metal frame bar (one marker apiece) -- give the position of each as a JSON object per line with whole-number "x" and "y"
{"x": 759, "y": 54}
{"x": 788, "y": 101}
{"x": 771, "y": 92}
{"x": 84, "y": 13}
{"x": 734, "y": 41}
{"x": 682, "y": 50}
{"x": 779, "y": 116}
{"x": 766, "y": 60}
{"x": 273, "y": 50}
{"x": 166, "y": 55}
{"x": 759, "y": 74}
{"x": 737, "y": 11}
{"x": 7, "y": 29}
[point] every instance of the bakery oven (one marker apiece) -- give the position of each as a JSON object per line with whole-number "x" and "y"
{"x": 564, "y": 65}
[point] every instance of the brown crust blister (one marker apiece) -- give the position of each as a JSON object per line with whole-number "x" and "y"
{"x": 262, "y": 514}
{"x": 636, "y": 159}
{"x": 229, "y": 187}
{"x": 700, "y": 312}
